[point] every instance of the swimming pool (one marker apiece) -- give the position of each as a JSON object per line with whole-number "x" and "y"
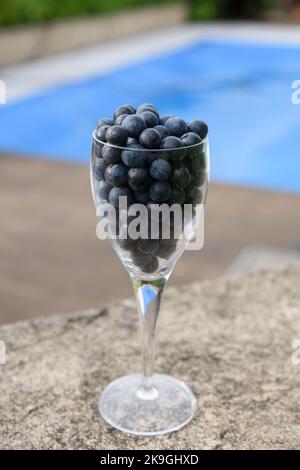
{"x": 242, "y": 90}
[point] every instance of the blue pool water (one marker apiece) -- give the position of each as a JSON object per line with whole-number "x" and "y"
{"x": 242, "y": 91}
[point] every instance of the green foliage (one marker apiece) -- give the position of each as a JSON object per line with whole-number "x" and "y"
{"x": 27, "y": 11}
{"x": 203, "y": 10}
{"x": 229, "y": 9}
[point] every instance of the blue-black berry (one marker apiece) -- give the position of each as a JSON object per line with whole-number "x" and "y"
{"x": 105, "y": 121}
{"x": 152, "y": 156}
{"x": 116, "y": 174}
{"x": 147, "y": 246}
{"x": 147, "y": 107}
{"x": 97, "y": 148}
{"x": 104, "y": 190}
{"x": 171, "y": 142}
{"x": 143, "y": 197}
{"x": 111, "y": 155}
{"x": 116, "y": 135}
{"x": 176, "y": 147}
{"x": 197, "y": 165}
{"x": 117, "y": 192}
{"x": 124, "y": 109}
{"x": 199, "y": 127}
{"x": 101, "y": 132}
{"x": 120, "y": 119}
{"x": 193, "y": 195}
{"x": 164, "y": 119}
{"x": 134, "y": 156}
{"x": 147, "y": 263}
{"x": 190, "y": 138}
{"x": 99, "y": 169}
{"x": 150, "y": 118}
{"x": 176, "y": 126}
{"x": 177, "y": 197}
{"x": 150, "y": 139}
{"x": 138, "y": 179}
{"x": 132, "y": 140}
{"x": 181, "y": 177}
{"x": 134, "y": 125}
{"x": 162, "y": 130}
{"x": 160, "y": 170}
{"x": 165, "y": 251}
{"x": 126, "y": 243}
{"x": 160, "y": 191}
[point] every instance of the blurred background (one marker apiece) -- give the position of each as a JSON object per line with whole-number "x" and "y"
{"x": 63, "y": 65}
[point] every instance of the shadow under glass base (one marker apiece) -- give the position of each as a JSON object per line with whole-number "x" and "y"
{"x": 166, "y": 407}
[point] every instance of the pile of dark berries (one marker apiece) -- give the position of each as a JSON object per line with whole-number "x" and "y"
{"x": 151, "y": 160}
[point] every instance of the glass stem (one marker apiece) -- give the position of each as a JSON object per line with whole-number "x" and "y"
{"x": 148, "y": 296}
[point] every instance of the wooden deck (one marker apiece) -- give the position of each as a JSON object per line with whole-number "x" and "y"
{"x": 51, "y": 260}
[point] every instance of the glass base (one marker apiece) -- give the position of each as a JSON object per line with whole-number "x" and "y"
{"x": 166, "y": 406}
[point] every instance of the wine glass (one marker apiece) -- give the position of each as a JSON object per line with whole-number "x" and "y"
{"x": 149, "y": 242}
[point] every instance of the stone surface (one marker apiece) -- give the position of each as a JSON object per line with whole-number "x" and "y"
{"x": 230, "y": 340}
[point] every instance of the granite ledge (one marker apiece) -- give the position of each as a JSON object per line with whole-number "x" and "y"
{"x": 229, "y": 339}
